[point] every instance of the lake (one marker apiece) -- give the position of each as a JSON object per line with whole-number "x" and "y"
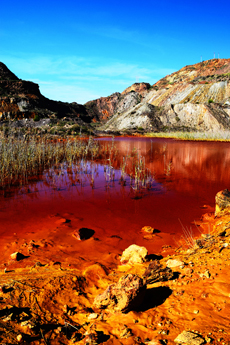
{"x": 184, "y": 178}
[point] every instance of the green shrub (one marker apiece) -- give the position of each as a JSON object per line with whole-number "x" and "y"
{"x": 210, "y": 101}
{"x": 36, "y": 117}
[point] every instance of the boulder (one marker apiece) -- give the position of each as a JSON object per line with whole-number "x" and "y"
{"x": 189, "y": 338}
{"x": 148, "y": 230}
{"x": 134, "y": 254}
{"x": 222, "y": 200}
{"x": 174, "y": 263}
{"x": 156, "y": 273}
{"x": 126, "y": 295}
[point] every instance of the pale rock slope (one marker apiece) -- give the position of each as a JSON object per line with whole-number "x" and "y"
{"x": 195, "y": 98}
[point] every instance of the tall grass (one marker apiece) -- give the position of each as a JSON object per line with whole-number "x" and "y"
{"x": 21, "y": 158}
{"x": 221, "y": 135}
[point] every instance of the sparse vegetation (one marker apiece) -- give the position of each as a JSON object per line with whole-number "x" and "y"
{"x": 223, "y": 135}
{"x": 210, "y": 101}
{"x": 22, "y": 157}
{"x": 36, "y": 117}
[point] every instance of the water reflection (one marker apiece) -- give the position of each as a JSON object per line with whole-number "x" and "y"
{"x": 184, "y": 177}
{"x": 195, "y": 167}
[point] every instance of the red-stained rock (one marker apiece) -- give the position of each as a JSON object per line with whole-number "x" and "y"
{"x": 126, "y": 295}
{"x": 222, "y": 202}
{"x": 140, "y": 88}
{"x": 17, "y": 256}
{"x": 156, "y": 273}
{"x": 189, "y": 338}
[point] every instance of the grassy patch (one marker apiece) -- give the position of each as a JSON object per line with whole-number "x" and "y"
{"x": 223, "y": 135}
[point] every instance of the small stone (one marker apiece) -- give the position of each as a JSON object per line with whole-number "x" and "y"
{"x": 126, "y": 333}
{"x": 19, "y": 338}
{"x": 134, "y": 254}
{"x": 196, "y": 312}
{"x": 206, "y": 274}
{"x": 92, "y": 316}
{"x": 17, "y": 256}
{"x": 149, "y": 230}
{"x": 2, "y": 288}
{"x": 174, "y": 263}
{"x": 91, "y": 337}
{"x": 29, "y": 327}
{"x": 65, "y": 308}
{"x": 8, "y": 318}
{"x": 208, "y": 339}
{"x": 189, "y": 338}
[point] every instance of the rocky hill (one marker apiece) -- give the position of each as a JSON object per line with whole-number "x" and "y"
{"x": 21, "y": 99}
{"x": 197, "y": 97}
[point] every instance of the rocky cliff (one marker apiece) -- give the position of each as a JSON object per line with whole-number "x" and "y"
{"x": 22, "y": 99}
{"x": 195, "y": 98}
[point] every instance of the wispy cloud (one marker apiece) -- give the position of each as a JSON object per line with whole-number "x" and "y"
{"x": 67, "y": 93}
{"x": 72, "y": 78}
{"x": 116, "y": 33}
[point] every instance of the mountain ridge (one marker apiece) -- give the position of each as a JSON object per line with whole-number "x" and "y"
{"x": 194, "y": 98}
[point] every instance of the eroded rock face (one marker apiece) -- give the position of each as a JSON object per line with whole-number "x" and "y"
{"x": 134, "y": 255}
{"x": 126, "y": 295}
{"x": 222, "y": 202}
{"x": 140, "y": 88}
{"x": 194, "y": 98}
{"x": 142, "y": 115}
{"x": 103, "y": 108}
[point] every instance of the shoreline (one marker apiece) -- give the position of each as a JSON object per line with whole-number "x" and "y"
{"x": 53, "y": 302}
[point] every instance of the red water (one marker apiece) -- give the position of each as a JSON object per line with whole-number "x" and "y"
{"x": 187, "y": 177}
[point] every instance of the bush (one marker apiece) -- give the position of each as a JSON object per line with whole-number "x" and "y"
{"x": 210, "y": 101}
{"x": 36, "y": 117}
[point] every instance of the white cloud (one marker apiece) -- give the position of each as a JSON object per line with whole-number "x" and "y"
{"x": 66, "y": 93}
{"x": 79, "y": 79}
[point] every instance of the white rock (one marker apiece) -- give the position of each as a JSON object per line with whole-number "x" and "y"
{"x": 174, "y": 263}
{"x": 189, "y": 338}
{"x": 92, "y": 316}
{"x": 134, "y": 254}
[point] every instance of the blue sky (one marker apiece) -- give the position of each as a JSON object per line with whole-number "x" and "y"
{"x": 81, "y": 50}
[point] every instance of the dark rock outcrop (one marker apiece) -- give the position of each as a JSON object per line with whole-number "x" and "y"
{"x": 156, "y": 273}
{"x": 22, "y": 99}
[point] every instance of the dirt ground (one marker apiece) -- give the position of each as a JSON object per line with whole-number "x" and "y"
{"x": 47, "y": 293}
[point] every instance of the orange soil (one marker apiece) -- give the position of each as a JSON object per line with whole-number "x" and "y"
{"x": 63, "y": 287}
